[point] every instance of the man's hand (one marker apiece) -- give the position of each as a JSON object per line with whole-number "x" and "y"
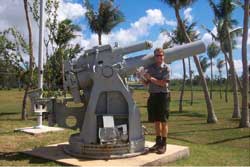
{"x": 147, "y": 76}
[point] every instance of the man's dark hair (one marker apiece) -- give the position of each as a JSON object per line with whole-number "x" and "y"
{"x": 158, "y": 50}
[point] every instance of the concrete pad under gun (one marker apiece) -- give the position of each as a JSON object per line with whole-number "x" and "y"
{"x": 55, "y": 152}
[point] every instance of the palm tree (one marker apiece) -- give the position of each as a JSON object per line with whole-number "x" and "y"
{"x": 212, "y": 51}
{"x": 178, "y": 38}
{"x": 193, "y": 36}
{"x": 204, "y": 63}
{"x": 223, "y": 11}
{"x": 64, "y": 34}
{"x": 244, "y": 122}
{"x": 220, "y": 37}
{"x": 103, "y": 21}
{"x": 31, "y": 60}
{"x": 177, "y": 5}
{"x": 219, "y": 65}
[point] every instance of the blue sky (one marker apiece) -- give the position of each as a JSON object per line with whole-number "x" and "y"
{"x": 199, "y": 12}
{"x": 134, "y": 9}
{"x": 144, "y": 20}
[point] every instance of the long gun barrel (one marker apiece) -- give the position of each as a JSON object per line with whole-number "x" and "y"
{"x": 133, "y": 48}
{"x": 171, "y": 54}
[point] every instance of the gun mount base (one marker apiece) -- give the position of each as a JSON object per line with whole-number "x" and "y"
{"x": 103, "y": 151}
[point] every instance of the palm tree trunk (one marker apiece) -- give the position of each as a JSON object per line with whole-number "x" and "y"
{"x": 226, "y": 88}
{"x": 31, "y": 63}
{"x": 19, "y": 81}
{"x": 100, "y": 38}
{"x": 239, "y": 83}
{"x": 220, "y": 83}
{"x": 210, "y": 110}
{"x": 24, "y": 109}
{"x": 244, "y": 121}
{"x": 211, "y": 84}
{"x": 191, "y": 81}
{"x": 236, "y": 112}
{"x": 182, "y": 87}
{"x": 237, "y": 78}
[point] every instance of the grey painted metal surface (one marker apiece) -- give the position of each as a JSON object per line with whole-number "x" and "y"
{"x": 109, "y": 120}
{"x": 171, "y": 54}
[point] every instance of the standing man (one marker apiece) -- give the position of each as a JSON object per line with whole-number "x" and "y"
{"x": 157, "y": 78}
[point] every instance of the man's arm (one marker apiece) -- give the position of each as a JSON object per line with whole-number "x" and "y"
{"x": 161, "y": 83}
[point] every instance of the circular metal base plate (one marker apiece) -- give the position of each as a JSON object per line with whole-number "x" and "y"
{"x": 68, "y": 150}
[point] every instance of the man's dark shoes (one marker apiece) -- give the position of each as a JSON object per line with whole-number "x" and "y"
{"x": 161, "y": 149}
{"x": 163, "y": 146}
{"x": 154, "y": 148}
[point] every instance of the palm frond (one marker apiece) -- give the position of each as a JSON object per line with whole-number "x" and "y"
{"x": 220, "y": 64}
{"x": 236, "y": 32}
{"x": 217, "y": 12}
{"x": 204, "y": 63}
{"x": 237, "y": 3}
{"x": 213, "y": 50}
{"x": 210, "y": 32}
{"x": 105, "y": 19}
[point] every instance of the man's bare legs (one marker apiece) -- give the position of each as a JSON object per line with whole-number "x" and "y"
{"x": 158, "y": 128}
{"x": 164, "y": 129}
{"x": 161, "y": 149}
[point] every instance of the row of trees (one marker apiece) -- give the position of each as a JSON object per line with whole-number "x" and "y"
{"x": 102, "y": 21}
{"x": 225, "y": 33}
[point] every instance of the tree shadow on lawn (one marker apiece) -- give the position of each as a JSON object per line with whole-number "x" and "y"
{"x": 205, "y": 130}
{"x": 230, "y": 139}
{"x": 18, "y": 119}
{"x": 8, "y": 113}
{"x": 188, "y": 114}
{"x": 142, "y": 106}
{"x": 196, "y": 101}
{"x": 17, "y": 156}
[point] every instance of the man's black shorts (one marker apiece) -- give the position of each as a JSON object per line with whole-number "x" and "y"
{"x": 158, "y": 107}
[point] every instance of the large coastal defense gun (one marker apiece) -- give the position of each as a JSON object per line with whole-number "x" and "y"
{"x": 109, "y": 120}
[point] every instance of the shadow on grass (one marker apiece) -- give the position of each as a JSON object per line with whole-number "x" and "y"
{"x": 196, "y": 101}
{"x": 196, "y": 123}
{"x": 188, "y": 114}
{"x": 207, "y": 130}
{"x": 17, "y": 119}
{"x": 180, "y": 139}
{"x": 17, "y": 156}
{"x": 142, "y": 106}
{"x": 9, "y": 113}
{"x": 230, "y": 139}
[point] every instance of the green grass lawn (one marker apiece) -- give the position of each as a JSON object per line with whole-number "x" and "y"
{"x": 210, "y": 144}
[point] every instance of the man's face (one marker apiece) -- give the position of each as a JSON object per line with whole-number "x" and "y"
{"x": 159, "y": 57}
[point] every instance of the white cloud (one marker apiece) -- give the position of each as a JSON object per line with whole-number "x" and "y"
{"x": 187, "y": 14}
{"x": 12, "y": 15}
{"x": 177, "y": 68}
{"x": 171, "y": 23}
{"x": 137, "y": 29}
{"x": 162, "y": 37}
{"x": 176, "y": 76}
{"x": 239, "y": 40}
{"x": 238, "y": 66}
{"x": 70, "y": 10}
{"x": 207, "y": 37}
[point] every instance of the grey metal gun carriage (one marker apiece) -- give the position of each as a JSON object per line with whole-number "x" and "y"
{"x": 108, "y": 120}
